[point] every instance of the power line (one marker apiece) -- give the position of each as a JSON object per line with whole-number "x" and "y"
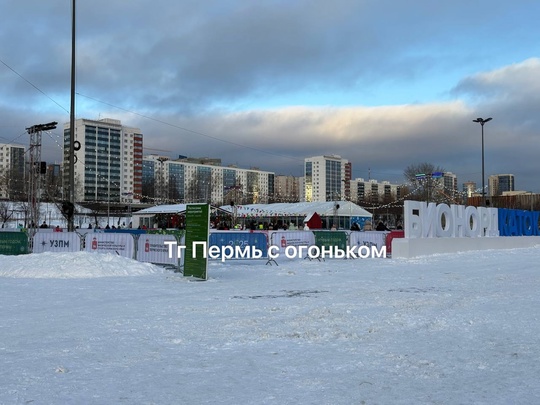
{"x": 33, "y": 85}
{"x": 191, "y": 130}
{"x": 14, "y": 139}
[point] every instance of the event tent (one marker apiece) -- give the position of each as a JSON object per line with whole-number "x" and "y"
{"x": 346, "y": 210}
{"x": 301, "y": 209}
{"x": 342, "y": 212}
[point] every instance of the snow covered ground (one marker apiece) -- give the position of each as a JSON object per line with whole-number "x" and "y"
{"x": 100, "y": 329}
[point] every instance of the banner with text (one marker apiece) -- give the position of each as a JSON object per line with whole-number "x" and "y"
{"x": 243, "y": 240}
{"x": 13, "y": 243}
{"x": 56, "y": 242}
{"x": 152, "y": 249}
{"x": 121, "y": 244}
{"x": 331, "y": 238}
{"x": 368, "y": 238}
{"x": 197, "y": 231}
{"x": 282, "y": 239}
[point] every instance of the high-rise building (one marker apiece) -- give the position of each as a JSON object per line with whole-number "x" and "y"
{"x": 181, "y": 181}
{"x": 500, "y": 183}
{"x": 108, "y": 164}
{"x": 326, "y": 177}
{"x": 11, "y": 171}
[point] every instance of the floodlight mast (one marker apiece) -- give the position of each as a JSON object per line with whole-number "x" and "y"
{"x": 482, "y": 121}
{"x": 71, "y": 169}
{"x": 35, "y": 172}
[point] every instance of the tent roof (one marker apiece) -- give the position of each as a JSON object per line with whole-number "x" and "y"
{"x": 326, "y": 208}
{"x": 162, "y": 209}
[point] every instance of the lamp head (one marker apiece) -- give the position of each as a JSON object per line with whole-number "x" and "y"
{"x": 482, "y": 121}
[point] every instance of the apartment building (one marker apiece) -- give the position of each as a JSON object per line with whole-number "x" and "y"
{"x": 500, "y": 183}
{"x": 326, "y": 178}
{"x": 182, "y": 181}
{"x": 373, "y": 191}
{"x": 11, "y": 171}
{"x": 108, "y": 164}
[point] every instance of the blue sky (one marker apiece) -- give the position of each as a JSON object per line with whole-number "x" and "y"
{"x": 265, "y": 84}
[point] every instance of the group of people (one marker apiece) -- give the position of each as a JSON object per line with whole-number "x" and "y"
{"x": 57, "y": 228}
{"x": 368, "y": 226}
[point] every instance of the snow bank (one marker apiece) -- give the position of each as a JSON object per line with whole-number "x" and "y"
{"x": 72, "y": 265}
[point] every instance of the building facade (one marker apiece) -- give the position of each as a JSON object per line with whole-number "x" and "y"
{"x": 450, "y": 185}
{"x": 108, "y": 164}
{"x": 325, "y": 178}
{"x": 181, "y": 181}
{"x": 12, "y": 164}
{"x": 373, "y": 192}
{"x": 287, "y": 189}
{"x": 500, "y": 183}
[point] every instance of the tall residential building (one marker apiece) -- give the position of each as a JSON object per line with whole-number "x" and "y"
{"x": 286, "y": 189}
{"x": 325, "y": 178}
{"x": 11, "y": 171}
{"x": 450, "y": 185}
{"x": 181, "y": 181}
{"x": 108, "y": 164}
{"x": 347, "y": 180}
{"x": 131, "y": 182}
{"x": 500, "y": 183}
{"x": 372, "y": 191}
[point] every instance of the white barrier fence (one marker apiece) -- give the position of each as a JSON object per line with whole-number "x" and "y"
{"x": 152, "y": 248}
{"x": 368, "y": 238}
{"x": 283, "y": 239}
{"x": 56, "y": 242}
{"x": 121, "y": 244}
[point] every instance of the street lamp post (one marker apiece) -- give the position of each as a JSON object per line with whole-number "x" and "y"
{"x": 482, "y": 121}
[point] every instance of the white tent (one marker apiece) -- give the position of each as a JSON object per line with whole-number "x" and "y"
{"x": 326, "y": 209}
{"x": 301, "y": 209}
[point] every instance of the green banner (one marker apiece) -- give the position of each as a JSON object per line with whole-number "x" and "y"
{"x": 13, "y": 243}
{"x": 331, "y": 238}
{"x": 177, "y": 233}
{"x": 197, "y": 230}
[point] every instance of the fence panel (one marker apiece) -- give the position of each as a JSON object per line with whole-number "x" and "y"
{"x": 121, "y": 244}
{"x": 242, "y": 240}
{"x": 152, "y": 249}
{"x": 56, "y": 242}
{"x": 13, "y": 243}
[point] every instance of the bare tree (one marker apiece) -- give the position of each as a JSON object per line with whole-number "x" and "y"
{"x": 424, "y": 182}
{"x": 24, "y": 207}
{"x": 6, "y": 212}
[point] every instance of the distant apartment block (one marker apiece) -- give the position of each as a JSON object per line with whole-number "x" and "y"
{"x": 326, "y": 178}
{"x": 372, "y": 191}
{"x": 500, "y": 183}
{"x": 450, "y": 185}
{"x": 286, "y": 189}
{"x": 11, "y": 171}
{"x": 182, "y": 181}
